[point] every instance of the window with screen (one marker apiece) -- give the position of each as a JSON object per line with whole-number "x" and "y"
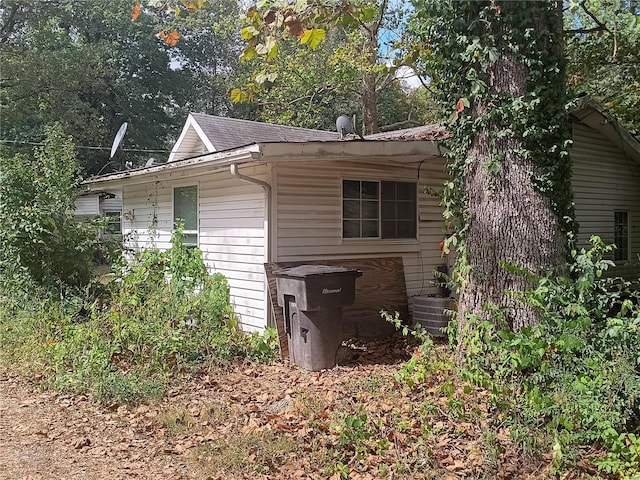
{"x": 185, "y": 211}
{"x": 113, "y": 225}
{"x": 372, "y": 209}
{"x": 621, "y": 236}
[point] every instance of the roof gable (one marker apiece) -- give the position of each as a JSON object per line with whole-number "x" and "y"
{"x": 592, "y": 114}
{"x": 192, "y": 141}
{"x": 209, "y": 133}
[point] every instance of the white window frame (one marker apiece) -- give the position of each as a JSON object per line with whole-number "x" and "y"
{"x": 113, "y": 214}
{"x": 379, "y": 181}
{"x": 622, "y": 252}
{"x": 186, "y": 232}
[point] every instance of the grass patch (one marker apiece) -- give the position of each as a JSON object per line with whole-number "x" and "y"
{"x": 258, "y": 452}
{"x": 176, "y": 420}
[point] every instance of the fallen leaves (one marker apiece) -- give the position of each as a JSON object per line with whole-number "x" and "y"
{"x": 275, "y": 421}
{"x": 135, "y": 12}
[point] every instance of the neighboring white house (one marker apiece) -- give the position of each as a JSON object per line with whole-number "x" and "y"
{"x": 252, "y": 193}
{"x": 91, "y": 203}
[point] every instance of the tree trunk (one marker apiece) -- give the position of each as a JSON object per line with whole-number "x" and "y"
{"x": 370, "y": 104}
{"x": 509, "y": 220}
{"x": 369, "y": 92}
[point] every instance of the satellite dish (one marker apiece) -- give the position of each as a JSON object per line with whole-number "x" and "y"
{"x": 344, "y": 126}
{"x": 150, "y": 162}
{"x": 118, "y": 139}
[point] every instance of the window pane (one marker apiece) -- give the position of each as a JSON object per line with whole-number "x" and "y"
{"x": 399, "y": 210}
{"x": 369, "y": 209}
{"x": 191, "y": 239}
{"x": 405, "y": 191}
{"x": 350, "y": 189}
{"x": 370, "y": 190}
{"x": 388, "y": 210}
{"x": 369, "y": 228}
{"x": 406, "y": 211}
{"x": 351, "y": 209}
{"x": 621, "y": 236}
{"x": 360, "y": 209}
{"x": 185, "y": 206}
{"x": 388, "y": 191}
{"x": 351, "y": 229}
{"x": 114, "y": 222}
{"x": 406, "y": 229}
{"x": 388, "y": 229}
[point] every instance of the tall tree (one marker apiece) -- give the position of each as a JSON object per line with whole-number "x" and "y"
{"x": 360, "y": 54}
{"x": 90, "y": 67}
{"x": 603, "y": 48}
{"x": 43, "y": 244}
{"x": 499, "y": 69}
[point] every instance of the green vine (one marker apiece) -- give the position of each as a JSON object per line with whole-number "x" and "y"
{"x": 458, "y": 43}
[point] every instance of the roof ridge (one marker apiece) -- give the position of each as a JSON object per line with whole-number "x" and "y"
{"x": 276, "y": 125}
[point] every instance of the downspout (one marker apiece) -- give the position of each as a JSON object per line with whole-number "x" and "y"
{"x": 267, "y": 195}
{"x": 233, "y": 168}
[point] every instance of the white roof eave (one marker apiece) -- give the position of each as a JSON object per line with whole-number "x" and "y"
{"x": 398, "y": 151}
{"x": 406, "y": 151}
{"x": 213, "y": 160}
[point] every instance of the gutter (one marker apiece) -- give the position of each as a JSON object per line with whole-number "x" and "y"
{"x": 211, "y": 160}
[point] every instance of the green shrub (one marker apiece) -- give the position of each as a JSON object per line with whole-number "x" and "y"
{"x": 161, "y": 314}
{"x": 577, "y": 374}
{"x": 43, "y": 246}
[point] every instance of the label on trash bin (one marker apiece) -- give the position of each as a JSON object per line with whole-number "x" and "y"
{"x": 325, "y": 291}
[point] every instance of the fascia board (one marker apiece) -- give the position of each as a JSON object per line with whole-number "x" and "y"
{"x": 187, "y": 167}
{"x": 407, "y": 151}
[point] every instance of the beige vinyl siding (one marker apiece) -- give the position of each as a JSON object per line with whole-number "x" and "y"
{"x": 147, "y": 210}
{"x": 231, "y": 232}
{"x": 309, "y": 216}
{"x": 232, "y": 238}
{"x": 604, "y": 181}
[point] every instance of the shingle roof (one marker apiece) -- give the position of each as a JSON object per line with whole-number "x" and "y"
{"x": 425, "y": 132}
{"x": 227, "y": 133}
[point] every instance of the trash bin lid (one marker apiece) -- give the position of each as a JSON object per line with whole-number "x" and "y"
{"x": 304, "y": 271}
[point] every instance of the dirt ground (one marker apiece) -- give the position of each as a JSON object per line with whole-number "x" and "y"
{"x": 262, "y": 422}
{"x": 50, "y": 435}
{"x": 47, "y": 435}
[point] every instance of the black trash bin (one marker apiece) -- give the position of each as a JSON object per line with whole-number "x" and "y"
{"x": 312, "y": 297}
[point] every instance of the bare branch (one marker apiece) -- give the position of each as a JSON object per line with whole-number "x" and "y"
{"x": 599, "y": 23}
{"x": 599, "y": 28}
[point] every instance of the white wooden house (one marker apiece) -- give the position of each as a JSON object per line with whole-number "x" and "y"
{"x": 252, "y": 193}
{"x": 606, "y": 184}
{"x": 91, "y": 203}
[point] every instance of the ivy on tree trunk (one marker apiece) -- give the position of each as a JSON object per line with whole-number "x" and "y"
{"x": 499, "y": 70}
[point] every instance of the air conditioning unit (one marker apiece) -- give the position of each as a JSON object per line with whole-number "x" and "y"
{"x": 429, "y": 312}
